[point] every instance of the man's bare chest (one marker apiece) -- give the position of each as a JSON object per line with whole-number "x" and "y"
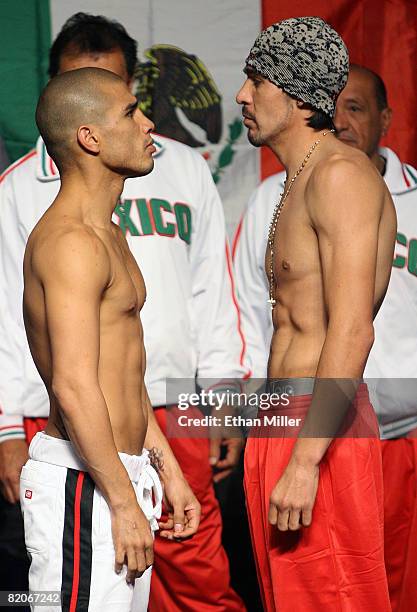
{"x": 126, "y": 292}
{"x": 295, "y": 245}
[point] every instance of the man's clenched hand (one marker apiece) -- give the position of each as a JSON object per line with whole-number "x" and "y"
{"x": 133, "y": 541}
{"x": 292, "y": 499}
{"x": 183, "y": 510}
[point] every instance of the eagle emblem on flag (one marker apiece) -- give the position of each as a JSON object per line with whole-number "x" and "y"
{"x": 172, "y": 80}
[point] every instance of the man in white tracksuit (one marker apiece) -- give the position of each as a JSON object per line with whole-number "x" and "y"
{"x": 174, "y": 223}
{"x": 362, "y": 118}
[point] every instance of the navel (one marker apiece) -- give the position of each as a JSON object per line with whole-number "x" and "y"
{"x": 286, "y": 265}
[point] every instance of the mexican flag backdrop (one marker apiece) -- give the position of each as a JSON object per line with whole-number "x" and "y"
{"x": 203, "y": 46}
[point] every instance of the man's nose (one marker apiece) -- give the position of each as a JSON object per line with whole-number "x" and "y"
{"x": 242, "y": 96}
{"x": 147, "y": 124}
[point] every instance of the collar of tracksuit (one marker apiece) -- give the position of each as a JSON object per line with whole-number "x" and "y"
{"x": 399, "y": 177}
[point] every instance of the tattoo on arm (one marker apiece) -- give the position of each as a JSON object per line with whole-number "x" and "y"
{"x": 156, "y": 457}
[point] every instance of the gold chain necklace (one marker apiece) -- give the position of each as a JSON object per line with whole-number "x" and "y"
{"x": 275, "y": 217}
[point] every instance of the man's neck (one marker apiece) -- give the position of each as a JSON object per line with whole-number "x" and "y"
{"x": 91, "y": 197}
{"x": 293, "y": 147}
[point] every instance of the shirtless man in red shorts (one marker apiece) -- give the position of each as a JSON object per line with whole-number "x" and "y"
{"x": 315, "y": 500}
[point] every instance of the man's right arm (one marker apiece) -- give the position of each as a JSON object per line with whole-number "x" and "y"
{"x": 73, "y": 283}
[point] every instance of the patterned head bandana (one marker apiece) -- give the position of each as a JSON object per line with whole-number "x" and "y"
{"x": 305, "y": 57}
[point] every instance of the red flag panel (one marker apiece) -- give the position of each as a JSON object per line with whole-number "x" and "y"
{"x": 381, "y": 35}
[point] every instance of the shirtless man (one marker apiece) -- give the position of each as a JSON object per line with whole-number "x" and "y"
{"x": 328, "y": 263}
{"x": 90, "y": 496}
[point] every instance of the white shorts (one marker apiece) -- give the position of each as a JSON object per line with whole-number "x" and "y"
{"x": 68, "y": 529}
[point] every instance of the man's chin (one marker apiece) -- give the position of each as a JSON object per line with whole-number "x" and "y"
{"x": 255, "y": 139}
{"x": 149, "y": 167}
{"x": 143, "y": 170}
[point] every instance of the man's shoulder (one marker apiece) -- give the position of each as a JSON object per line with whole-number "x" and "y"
{"x": 69, "y": 237}
{"x": 342, "y": 168}
{"x": 77, "y": 248}
{"x": 345, "y": 185}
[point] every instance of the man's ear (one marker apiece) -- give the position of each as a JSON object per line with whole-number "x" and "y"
{"x": 386, "y": 116}
{"x": 88, "y": 139}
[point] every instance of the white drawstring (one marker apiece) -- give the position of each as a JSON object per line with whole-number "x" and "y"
{"x": 152, "y": 508}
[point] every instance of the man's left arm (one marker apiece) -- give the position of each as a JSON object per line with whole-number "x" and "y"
{"x": 345, "y": 202}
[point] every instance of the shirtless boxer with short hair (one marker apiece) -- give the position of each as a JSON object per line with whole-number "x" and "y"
{"x": 328, "y": 262}
{"x": 82, "y": 299}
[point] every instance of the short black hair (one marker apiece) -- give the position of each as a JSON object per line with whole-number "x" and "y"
{"x": 68, "y": 101}
{"x": 92, "y": 34}
{"x": 319, "y": 120}
{"x": 379, "y": 86}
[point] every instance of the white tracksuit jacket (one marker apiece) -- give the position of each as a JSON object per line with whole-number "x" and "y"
{"x": 174, "y": 223}
{"x": 394, "y": 353}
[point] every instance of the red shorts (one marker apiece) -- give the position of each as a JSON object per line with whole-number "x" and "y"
{"x": 399, "y": 462}
{"x": 336, "y": 564}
